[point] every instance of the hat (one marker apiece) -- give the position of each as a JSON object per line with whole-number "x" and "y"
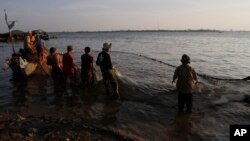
{"x": 185, "y": 59}
{"x": 106, "y": 46}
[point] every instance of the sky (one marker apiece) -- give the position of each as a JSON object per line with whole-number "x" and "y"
{"x": 108, "y": 15}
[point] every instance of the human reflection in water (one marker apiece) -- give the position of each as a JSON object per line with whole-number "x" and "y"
{"x": 58, "y": 100}
{"x": 30, "y": 91}
{"x": 110, "y": 110}
{"x": 182, "y": 124}
{"x": 67, "y": 98}
{"x": 19, "y": 92}
{"x": 73, "y": 97}
{"x": 89, "y": 99}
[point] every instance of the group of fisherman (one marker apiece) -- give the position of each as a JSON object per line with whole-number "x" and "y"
{"x": 64, "y": 71}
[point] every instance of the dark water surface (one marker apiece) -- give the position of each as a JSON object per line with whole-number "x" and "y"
{"x": 148, "y": 106}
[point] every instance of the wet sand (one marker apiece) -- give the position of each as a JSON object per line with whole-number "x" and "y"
{"x": 60, "y": 116}
{"x": 90, "y": 115}
{"x": 41, "y": 123}
{"x": 39, "y": 113}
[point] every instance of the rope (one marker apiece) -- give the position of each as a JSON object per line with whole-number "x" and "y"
{"x": 173, "y": 66}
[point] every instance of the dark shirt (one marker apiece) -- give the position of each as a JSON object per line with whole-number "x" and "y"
{"x": 86, "y": 63}
{"x": 50, "y": 60}
{"x": 104, "y": 61}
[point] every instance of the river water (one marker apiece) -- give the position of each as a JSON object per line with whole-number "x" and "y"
{"x": 145, "y": 62}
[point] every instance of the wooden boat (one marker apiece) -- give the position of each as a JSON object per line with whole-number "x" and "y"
{"x": 22, "y": 67}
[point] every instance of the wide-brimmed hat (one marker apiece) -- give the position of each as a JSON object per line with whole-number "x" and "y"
{"x": 185, "y": 59}
{"x": 106, "y": 46}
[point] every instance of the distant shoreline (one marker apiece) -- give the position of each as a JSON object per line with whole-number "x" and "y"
{"x": 188, "y": 30}
{"x": 114, "y": 31}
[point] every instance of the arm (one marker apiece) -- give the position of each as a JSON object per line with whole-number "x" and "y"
{"x": 93, "y": 74}
{"x": 58, "y": 61}
{"x": 71, "y": 63}
{"x": 27, "y": 43}
{"x": 82, "y": 61}
{"x": 174, "y": 79}
{"x": 195, "y": 76}
{"x": 98, "y": 60}
{"x": 175, "y": 76}
{"x": 91, "y": 64}
{"x": 109, "y": 62}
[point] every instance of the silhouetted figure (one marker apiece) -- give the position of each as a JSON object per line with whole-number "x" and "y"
{"x": 54, "y": 60}
{"x": 69, "y": 68}
{"x": 187, "y": 79}
{"x": 29, "y": 47}
{"x": 108, "y": 71}
{"x": 87, "y": 69}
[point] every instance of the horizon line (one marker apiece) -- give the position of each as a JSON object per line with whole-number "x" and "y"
{"x": 146, "y": 30}
{"x": 158, "y": 30}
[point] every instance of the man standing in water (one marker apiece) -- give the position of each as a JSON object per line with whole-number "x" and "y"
{"x": 69, "y": 68}
{"x": 29, "y": 47}
{"x": 54, "y": 60}
{"x": 108, "y": 71}
{"x": 187, "y": 79}
{"x": 87, "y": 69}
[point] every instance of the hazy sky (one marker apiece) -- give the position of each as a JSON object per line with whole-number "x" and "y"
{"x": 95, "y": 15}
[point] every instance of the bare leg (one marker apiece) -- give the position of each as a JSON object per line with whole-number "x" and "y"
{"x": 115, "y": 88}
{"x": 106, "y": 87}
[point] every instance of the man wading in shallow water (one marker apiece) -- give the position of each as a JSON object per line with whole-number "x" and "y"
{"x": 87, "y": 69}
{"x": 187, "y": 79}
{"x": 54, "y": 60}
{"x": 108, "y": 71}
{"x": 69, "y": 68}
